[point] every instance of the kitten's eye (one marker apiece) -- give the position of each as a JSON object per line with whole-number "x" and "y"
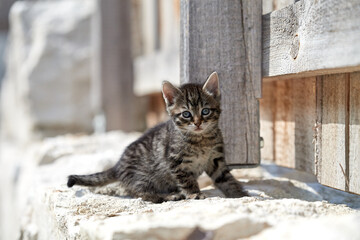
{"x": 205, "y": 111}
{"x": 186, "y": 114}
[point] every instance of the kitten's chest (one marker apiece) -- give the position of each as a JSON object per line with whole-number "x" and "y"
{"x": 196, "y": 157}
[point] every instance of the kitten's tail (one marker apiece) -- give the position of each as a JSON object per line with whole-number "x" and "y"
{"x": 96, "y": 179}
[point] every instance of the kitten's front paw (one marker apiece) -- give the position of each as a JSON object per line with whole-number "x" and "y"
{"x": 245, "y": 193}
{"x": 196, "y": 196}
{"x": 175, "y": 197}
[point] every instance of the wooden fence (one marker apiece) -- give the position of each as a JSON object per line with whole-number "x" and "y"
{"x": 310, "y": 105}
{"x": 309, "y": 111}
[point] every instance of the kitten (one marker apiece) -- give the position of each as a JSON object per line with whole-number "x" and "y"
{"x": 165, "y": 162}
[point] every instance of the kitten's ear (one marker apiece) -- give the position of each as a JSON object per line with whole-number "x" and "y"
{"x": 211, "y": 85}
{"x": 169, "y": 93}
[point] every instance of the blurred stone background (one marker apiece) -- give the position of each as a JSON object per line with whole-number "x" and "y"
{"x": 72, "y": 66}
{"x": 78, "y": 67}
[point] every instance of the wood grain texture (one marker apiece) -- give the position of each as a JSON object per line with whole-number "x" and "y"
{"x": 267, "y": 116}
{"x": 284, "y": 125}
{"x": 113, "y": 69}
{"x": 310, "y": 38}
{"x": 354, "y": 131}
{"x": 225, "y": 36}
{"x": 294, "y": 117}
{"x": 331, "y": 167}
{"x": 305, "y": 121}
{"x": 318, "y": 127}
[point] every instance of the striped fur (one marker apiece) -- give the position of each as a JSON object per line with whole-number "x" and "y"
{"x": 165, "y": 162}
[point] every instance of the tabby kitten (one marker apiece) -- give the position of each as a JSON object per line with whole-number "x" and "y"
{"x": 165, "y": 162}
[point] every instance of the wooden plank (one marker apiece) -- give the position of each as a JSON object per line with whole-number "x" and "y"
{"x": 284, "y": 125}
{"x": 295, "y": 117}
{"x": 354, "y": 131}
{"x": 318, "y": 127}
{"x": 311, "y": 38}
{"x": 225, "y": 36}
{"x": 137, "y": 41}
{"x": 169, "y": 24}
{"x": 150, "y": 30}
{"x": 304, "y": 91}
{"x": 162, "y": 30}
{"x": 288, "y": 117}
{"x": 267, "y": 116}
{"x": 113, "y": 72}
{"x": 331, "y": 169}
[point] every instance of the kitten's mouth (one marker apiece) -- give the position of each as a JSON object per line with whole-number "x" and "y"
{"x": 198, "y": 129}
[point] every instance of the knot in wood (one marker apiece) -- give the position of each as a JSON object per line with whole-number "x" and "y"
{"x": 295, "y": 45}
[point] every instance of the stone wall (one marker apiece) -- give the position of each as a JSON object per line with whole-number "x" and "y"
{"x": 26, "y": 174}
{"x": 46, "y": 90}
{"x": 284, "y": 203}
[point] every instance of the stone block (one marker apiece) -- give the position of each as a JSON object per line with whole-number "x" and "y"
{"x": 47, "y": 209}
{"x": 46, "y": 90}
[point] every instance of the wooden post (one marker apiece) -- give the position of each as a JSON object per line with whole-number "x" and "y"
{"x": 4, "y": 14}
{"x": 225, "y": 36}
{"x": 332, "y": 162}
{"x": 338, "y": 161}
{"x": 113, "y": 71}
{"x": 354, "y": 133}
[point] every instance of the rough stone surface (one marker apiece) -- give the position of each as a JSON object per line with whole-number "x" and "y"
{"x": 27, "y": 171}
{"x": 283, "y": 202}
{"x": 46, "y": 89}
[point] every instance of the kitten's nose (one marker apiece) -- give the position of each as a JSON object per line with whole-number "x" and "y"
{"x": 197, "y": 121}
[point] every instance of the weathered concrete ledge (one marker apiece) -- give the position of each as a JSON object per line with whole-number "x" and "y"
{"x": 284, "y": 204}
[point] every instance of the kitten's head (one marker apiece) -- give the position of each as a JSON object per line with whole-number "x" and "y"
{"x": 194, "y": 108}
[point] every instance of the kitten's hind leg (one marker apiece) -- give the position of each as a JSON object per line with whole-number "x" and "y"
{"x": 151, "y": 197}
{"x": 157, "y": 197}
{"x": 147, "y": 193}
